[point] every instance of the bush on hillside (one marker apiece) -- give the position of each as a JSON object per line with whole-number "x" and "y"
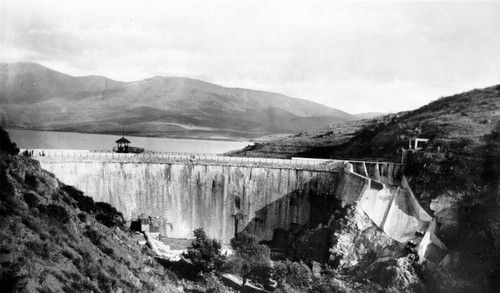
{"x": 204, "y": 253}
{"x": 6, "y": 145}
{"x": 55, "y": 212}
{"x": 104, "y": 212}
{"x": 108, "y": 215}
{"x": 297, "y": 275}
{"x": 251, "y": 261}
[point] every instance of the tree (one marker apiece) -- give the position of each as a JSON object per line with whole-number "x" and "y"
{"x": 252, "y": 260}
{"x": 204, "y": 253}
{"x": 297, "y": 275}
{"x": 6, "y": 144}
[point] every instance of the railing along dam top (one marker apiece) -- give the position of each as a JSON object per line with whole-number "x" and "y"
{"x": 55, "y": 156}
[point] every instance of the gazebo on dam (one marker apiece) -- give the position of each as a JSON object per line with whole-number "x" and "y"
{"x": 123, "y": 146}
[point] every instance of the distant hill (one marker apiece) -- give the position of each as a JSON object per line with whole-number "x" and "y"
{"x": 35, "y": 97}
{"x": 26, "y": 83}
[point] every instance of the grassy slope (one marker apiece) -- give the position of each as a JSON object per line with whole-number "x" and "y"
{"x": 294, "y": 145}
{"x": 50, "y": 240}
{"x": 458, "y": 123}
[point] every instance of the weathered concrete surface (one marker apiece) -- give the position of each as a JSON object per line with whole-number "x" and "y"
{"x": 189, "y": 195}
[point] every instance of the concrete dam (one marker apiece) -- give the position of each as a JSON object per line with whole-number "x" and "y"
{"x": 226, "y": 195}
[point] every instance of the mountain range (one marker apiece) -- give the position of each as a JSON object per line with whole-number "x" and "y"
{"x": 35, "y": 97}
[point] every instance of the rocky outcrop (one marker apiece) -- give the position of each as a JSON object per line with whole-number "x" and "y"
{"x": 470, "y": 230}
{"x": 356, "y": 239}
{"x": 368, "y": 260}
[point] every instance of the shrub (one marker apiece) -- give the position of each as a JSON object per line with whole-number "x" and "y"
{"x": 10, "y": 277}
{"x": 104, "y": 212}
{"x": 82, "y": 217}
{"x": 204, "y": 253}
{"x": 105, "y": 283}
{"x": 85, "y": 203}
{"x": 94, "y": 236}
{"x": 56, "y": 213}
{"x": 214, "y": 285}
{"x": 39, "y": 248}
{"x": 31, "y": 223}
{"x": 109, "y": 216}
{"x": 295, "y": 274}
{"x": 32, "y": 180}
{"x": 31, "y": 199}
{"x": 68, "y": 254}
{"x": 252, "y": 260}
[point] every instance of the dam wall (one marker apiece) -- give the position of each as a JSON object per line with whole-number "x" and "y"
{"x": 223, "y": 195}
{"x": 226, "y": 195}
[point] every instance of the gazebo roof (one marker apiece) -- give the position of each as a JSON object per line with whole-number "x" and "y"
{"x": 123, "y": 140}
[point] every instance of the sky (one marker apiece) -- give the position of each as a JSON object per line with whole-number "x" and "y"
{"x": 354, "y": 56}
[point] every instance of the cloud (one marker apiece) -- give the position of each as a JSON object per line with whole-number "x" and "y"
{"x": 356, "y": 56}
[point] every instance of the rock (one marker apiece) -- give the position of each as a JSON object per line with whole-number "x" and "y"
{"x": 397, "y": 274}
{"x": 357, "y": 238}
{"x": 442, "y": 202}
{"x": 371, "y": 260}
{"x": 134, "y": 280}
{"x": 19, "y": 174}
{"x": 316, "y": 269}
{"x": 451, "y": 261}
{"x": 51, "y": 182}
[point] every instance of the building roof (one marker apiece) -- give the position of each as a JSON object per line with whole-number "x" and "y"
{"x": 419, "y": 138}
{"x": 123, "y": 140}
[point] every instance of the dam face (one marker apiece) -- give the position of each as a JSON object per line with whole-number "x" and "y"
{"x": 223, "y": 195}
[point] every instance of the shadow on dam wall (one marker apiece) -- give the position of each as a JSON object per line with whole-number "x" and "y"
{"x": 321, "y": 205}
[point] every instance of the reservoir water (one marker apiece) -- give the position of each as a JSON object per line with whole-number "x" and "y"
{"x": 85, "y": 141}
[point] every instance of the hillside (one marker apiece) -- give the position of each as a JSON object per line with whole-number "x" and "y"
{"x": 35, "y": 97}
{"x": 458, "y": 122}
{"x": 25, "y": 83}
{"x": 55, "y": 239}
{"x": 294, "y": 145}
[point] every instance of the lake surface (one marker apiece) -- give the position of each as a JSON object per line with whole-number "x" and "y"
{"x": 84, "y": 141}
